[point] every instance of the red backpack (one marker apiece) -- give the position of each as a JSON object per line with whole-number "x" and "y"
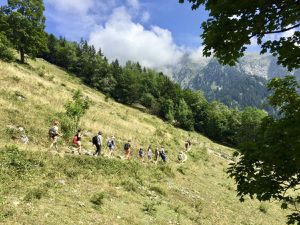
{"x": 75, "y": 140}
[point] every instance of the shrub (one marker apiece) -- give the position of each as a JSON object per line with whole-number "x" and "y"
{"x": 15, "y": 78}
{"x": 12, "y": 157}
{"x": 182, "y": 170}
{"x": 149, "y": 208}
{"x": 5, "y": 52}
{"x": 263, "y": 208}
{"x": 158, "y": 190}
{"x": 129, "y": 185}
{"x": 97, "y": 200}
{"x": 167, "y": 170}
{"x": 68, "y": 126}
{"x": 36, "y": 193}
{"x": 50, "y": 78}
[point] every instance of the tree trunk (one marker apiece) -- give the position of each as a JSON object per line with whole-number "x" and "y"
{"x": 22, "y": 54}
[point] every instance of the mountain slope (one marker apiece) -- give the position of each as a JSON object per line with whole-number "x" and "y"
{"x": 239, "y": 86}
{"x": 41, "y": 188}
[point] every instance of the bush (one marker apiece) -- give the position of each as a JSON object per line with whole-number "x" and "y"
{"x": 68, "y": 126}
{"x": 16, "y": 160}
{"x": 97, "y": 200}
{"x": 5, "y": 52}
{"x": 158, "y": 190}
{"x": 35, "y": 194}
{"x": 149, "y": 208}
{"x": 182, "y": 170}
{"x": 129, "y": 185}
{"x": 263, "y": 208}
{"x": 76, "y": 108}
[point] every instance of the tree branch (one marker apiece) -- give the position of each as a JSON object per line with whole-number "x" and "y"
{"x": 276, "y": 31}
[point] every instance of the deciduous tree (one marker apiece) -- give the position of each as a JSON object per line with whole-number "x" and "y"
{"x": 26, "y": 26}
{"x": 234, "y": 24}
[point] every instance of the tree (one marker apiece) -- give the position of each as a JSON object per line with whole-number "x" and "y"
{"x": 269, "y": 168}
{"x": 66, "y": 54}
{"x": 184, "y": 116}
{"x": 215, "y": 122}
{"x": 5, "y": 52}
{"x": 167, "y": 109}
{"x": 128, "y": 86}
{"x": 234, "y": 24}
{"x": 251, "y": 120}
{"x": 26, "y": 26}
{"x": 75, "y": 110}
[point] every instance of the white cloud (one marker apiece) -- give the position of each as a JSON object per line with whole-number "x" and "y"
{"x": 77, "y": 18}
{"x": 125, "y": 40}
{"x": 197, "y": 55}
{"x": 134, "y": 3}
{"x": 75, "y": 6}
{"x": 145, "y": 17}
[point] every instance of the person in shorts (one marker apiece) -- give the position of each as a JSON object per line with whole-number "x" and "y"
{"x": 54, "y": 134}
{"x": 141, "y": 154}
{"x": 77, "y": 141}
{"x": 111, "y": 144}
{"x": 127, "y": 149}
{"x": 149, "y": 153}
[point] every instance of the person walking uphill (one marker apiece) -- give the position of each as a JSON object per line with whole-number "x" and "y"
{"x": 163, "y": 154}
{"x": 97, "y": 141}
{"x": 53, "y": 134}
{"x": 127, "y": 149}
{"x": 77, "y": 141}
{"x": 111, "y": 144}
{"x": 149, "y": 153}
{"x": 141, "y": 154}
{"x": 156, "y": 154}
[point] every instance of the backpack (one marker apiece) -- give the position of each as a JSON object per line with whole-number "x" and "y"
{"x": 126, "y": 146}
{"x": 75, "y": 140}
{"x": 95, "y": 140}
{"x": 52, "y": 132}
{"x": 109, "y": 144}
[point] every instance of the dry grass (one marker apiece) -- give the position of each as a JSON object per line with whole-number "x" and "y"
{"x": 149, "y": 194}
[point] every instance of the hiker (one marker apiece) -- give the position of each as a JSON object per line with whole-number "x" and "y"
{"x": 53, "y": 134}
{"x": 181, "y": 157}
{"x": 163, "y": 154}
{"x": 141, "y": 154}
{"x": 77, "y": 141}
{"x": 127, "y": 149}
{"x": 111, "y": 144}
{"x": 156, "y": 154}
{"x": 187, "y": 145}
{"x": 149, "y": 153}
{"x": 97, "y": 141}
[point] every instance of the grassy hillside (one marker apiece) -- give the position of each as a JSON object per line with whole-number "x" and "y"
{"x": 39, "y": 187}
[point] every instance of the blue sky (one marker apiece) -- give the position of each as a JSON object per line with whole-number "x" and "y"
{"x": 179, "y": 19}
{"x": 157, "y": 33}
{"x": 154, "y": 32}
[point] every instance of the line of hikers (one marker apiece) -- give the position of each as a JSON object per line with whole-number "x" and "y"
{"x": 111, "y": 144}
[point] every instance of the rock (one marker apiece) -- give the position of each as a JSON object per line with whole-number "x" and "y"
{"x": 118, "y": 217}
{"x": 62, "y": 182}
{"x": 88, "y": 134}
{"x": 81, "y": 204}
{"x": 24, "y": 139}
{"x": 21, "y": 129}
{"x": 18, "y": 133}
{"x": 16, "y": 203}
{"x": 19, "y": 96}
{"x": 11, "y": 127}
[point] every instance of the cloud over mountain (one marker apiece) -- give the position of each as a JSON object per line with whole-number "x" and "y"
{"x": 122, "y": 38}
